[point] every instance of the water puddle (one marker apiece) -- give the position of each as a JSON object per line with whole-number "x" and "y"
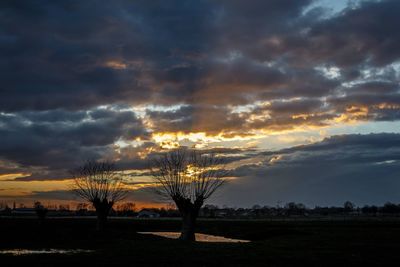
{"x": 199, "y": 237}
{"x": 21, "y": 252}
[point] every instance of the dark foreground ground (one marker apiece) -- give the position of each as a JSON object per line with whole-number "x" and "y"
{"x": 278, "y": 243}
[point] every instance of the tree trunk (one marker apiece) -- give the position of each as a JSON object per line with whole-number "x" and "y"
{"x": 189, "y": 212}
{"x": 188, "y": 227}
{"x": 102, "y": 210}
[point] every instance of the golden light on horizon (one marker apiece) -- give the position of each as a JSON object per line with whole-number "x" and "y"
{"x": 13, "y": 176}
{"x": 171, "y": 140}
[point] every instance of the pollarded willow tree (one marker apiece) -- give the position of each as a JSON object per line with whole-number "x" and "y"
{"x": 100, "y": 184}
{"x": 188, "y": 178}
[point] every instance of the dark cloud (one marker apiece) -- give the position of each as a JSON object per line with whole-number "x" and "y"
{"x": 71, "y": 71}
{"x": 61, "y": 139}
{"x": 78, "y": 55}
{"x": 360, "y": 168}
{"x": 54, "y": 195}
{"x": 367, "y": 34}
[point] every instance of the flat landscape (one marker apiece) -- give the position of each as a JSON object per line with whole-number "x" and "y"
{"x": 363, "y": 242}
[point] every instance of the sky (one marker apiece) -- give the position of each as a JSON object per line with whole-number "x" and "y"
{"x": 301, "y": 98}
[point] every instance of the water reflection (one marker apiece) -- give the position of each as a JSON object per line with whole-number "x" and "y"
{"x": 199, "y": 237}
{"x": 20, "y": 252}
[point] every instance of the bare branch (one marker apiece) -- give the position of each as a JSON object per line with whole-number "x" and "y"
{"x": 188, "y": 175}
{"x": 98, "y": 181}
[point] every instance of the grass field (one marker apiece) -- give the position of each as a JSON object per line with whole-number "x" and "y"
{"x": 274, "y": 243}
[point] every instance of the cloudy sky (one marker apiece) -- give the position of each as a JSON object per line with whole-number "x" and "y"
{"x": 301, "y": 96}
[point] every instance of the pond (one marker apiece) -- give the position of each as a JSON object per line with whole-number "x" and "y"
{"x": 21, "y": 252}
{"x": 199, "y": 237}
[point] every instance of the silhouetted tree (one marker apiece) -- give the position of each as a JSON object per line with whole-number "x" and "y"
{"x": 348, "y": 206}
{"x": 293, "y": 208}
{"x": 63, "y": 207}
{"x": 126, "y": 209}
{"x": 390, "y": 208}
{"x": 188, "y": 178}
{"x": 370, "y": 210}
{"x": 100, "y": 184}
{"x": 40, "y": 210}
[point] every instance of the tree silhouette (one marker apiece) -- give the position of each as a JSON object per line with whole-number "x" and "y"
{"x": 100, "y": 184}
{"x": 348, "y": 206}
{"x": 126, "y": 209}
{"x": 188, "y": 178}
{"x": 40, "y": 210}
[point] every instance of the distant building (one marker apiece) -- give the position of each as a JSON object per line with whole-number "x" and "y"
{"x": 148, "y": 214}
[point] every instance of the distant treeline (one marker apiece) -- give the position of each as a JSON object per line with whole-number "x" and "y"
{"x": 298, "y": 209}
{"x": 291, "y": 209}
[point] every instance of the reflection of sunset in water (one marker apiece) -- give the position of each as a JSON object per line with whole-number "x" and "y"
{"x": 199, "y": 237}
